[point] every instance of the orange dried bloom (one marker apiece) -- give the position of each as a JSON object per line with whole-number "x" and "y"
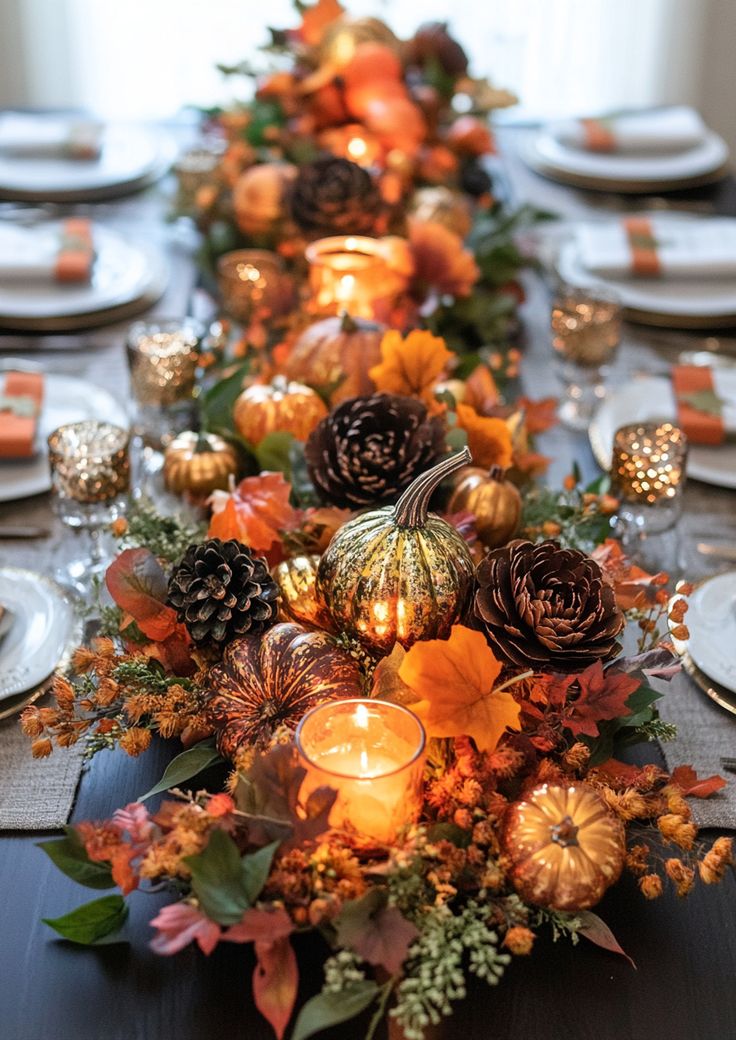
{"x": 678, "y": 610}
{"x": 675, "y": 828}
{"x": 67, "y": 739}
{"x": 551, "y": 528}
{"x": 723, "y": 848}
{"x": 680, "y": 632}
{"x": 569, "y": 483}
{"x": 220, "y": 805}
{"x": 82, "y": 659}
{"x": 683, "y": 877}
{"x": 463, "y": 818}
{"x": 651, "y": 886}
{"x": 106, "y": 726}
{"x": 119, "y": 526}
{"x": 30, "y": 722}
{"x": 100, "y": 840}
{"x": 135, "y": 741}
{"x": 637, "y": 859}
{"x": 676, "y": 803}
{"x": 685, "y": 588}
{"x": 63, "y": 693}
{"x": 107, "y": 691}
{"x": 41, "y": 748}
{"x": 519, "y": 940}
{"x": 576, "y": 757}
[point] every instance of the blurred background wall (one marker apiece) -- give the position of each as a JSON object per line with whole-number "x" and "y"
{"x": 148, "y": 58}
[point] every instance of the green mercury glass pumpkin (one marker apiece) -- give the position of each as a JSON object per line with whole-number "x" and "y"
{"x": 400, "y": 573}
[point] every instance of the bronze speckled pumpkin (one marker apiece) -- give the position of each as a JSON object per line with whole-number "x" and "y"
{"x": 335, "y": 354}
{"x": 277, "y": 407}
{"x": 297, "y": 579}
{"x": 494, "y": 502}
{"x": 271, "y": 680}
{"x": 565, "y": 847}
{"x": 199, "y": 463}
{"x": 399, "y": 573}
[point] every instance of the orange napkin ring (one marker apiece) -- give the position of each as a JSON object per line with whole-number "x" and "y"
{"x": 76, "y": 252}
{"x": 598, "y": 135}
{"x": 17, "y": 426}
{"x": 644, "y": 258}
{"x": 694, "y": 387}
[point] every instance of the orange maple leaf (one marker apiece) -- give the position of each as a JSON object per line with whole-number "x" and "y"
{"x": 481, "y": 392}
{"x": 411, "y": 366}
{"x": 489, "y": 438}
{"x": 255, "y": 512}
{"x": 317, "y": 18}
{"x": 539, "y": 415}
{"x": 454, "y": 681}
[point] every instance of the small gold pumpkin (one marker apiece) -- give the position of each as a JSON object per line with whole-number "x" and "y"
{"x": 277, "y": 407}
{"x": 565, "y": 846}
{"x": 199, "y": 463}
{"x": 335, "y": 355}
{"x": 297, "y": 579}
{"x": 494, "y": 502}
{"x": 400, "y": 573}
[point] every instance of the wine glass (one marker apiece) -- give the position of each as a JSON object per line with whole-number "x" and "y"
{"x": 586, "y": 332}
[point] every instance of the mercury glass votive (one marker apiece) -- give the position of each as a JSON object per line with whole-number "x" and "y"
{"x": 162, "y": 358}
{"x": 251, "y": 283}
{"x": 586, "y": 332}
{"x": 349, "y": 273}
{"x": 193, "y": 170}
{"x": 372, "y": 754}
{"x": 648, "y": 469}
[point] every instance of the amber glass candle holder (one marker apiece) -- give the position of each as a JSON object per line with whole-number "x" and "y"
{"x": 586, "y": 332}
{"x": 648, "y": 470}
{"x": 372, "y": 754}
{"x": 349, "y": 273}
{"x": 251, "y": 283}
{"x": 90, "y": 479}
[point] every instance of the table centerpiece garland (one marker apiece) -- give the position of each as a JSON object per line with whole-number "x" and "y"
{"x": 354, "y": 556}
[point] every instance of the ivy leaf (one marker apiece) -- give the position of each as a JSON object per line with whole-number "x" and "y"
{"x": 275, "y": 982}
{"x": 603, "y": 696}
{"x": 188, "y": 764}
{"x": 697, "y": 787}
{"x": 225, "y": 882}
{"x": 331, "y": 1009}
{"x": 598, "y": 932}
{"x": 136, "y": 581}
{"x": 92, "y": 923}
{"x": 70, "y": 856}
{"x": 274, "y": 453}
{"x": 216, "y": 405}
{"x": 379, "y": 934}
{"x": 254, "y": 870}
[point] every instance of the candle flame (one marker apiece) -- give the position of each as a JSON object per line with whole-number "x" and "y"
{"x": 364, "y": 762}
{"x": 357, "y": 148}
{"x": 361, "y": 717}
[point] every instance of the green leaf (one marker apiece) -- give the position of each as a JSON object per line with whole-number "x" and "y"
{"x": 449, "y": 832}
{"x": 186, "y": 765}
{"x": 273, "y": 453}
{"x": 93, "y": 923}
{"x": 331, "y": 1009}
{"x": 70, "y": 856}
{"x": 216, "y": 405}
{"x": 225, "y": 882}
{"x": 255, "y": 868}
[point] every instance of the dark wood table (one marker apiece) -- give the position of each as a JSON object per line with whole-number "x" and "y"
{"x": 49, "y": 990}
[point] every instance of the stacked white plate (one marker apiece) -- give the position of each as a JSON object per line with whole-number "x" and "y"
{"x": 709, "y": 654}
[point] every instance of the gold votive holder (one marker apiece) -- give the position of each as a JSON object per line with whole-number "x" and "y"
{"x": 648, "y": 469}
{"x": 349, "y": 273}
{"x": 371, "y": 753}
{"x": 251, "y": 283}
{"x": 163, "y": 355}
{"x": 193, "y": 170}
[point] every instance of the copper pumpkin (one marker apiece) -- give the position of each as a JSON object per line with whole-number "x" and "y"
{"x": 564, "y": 845}
{"x": 494, "y": 502}
{"x": 297, "y": 579}
{"x": 280, "y": 406}
{"x": 199, "y": 463}
{"x": 271, "y": 680}
{"x": 399, "y": 573}
{"x": 335, "y": 355}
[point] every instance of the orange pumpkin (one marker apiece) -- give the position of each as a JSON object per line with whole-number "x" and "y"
{"x": 259, "y": 197}
{"x": 277, "y": 407}
{"x": 396, "y": 121}
{"x": 494, "y": 502}
{"x": 373, "y": 64}
{"x": 564, "y": 847}
{"x": 336, "y": 353}
{"x": 470, "y": 136}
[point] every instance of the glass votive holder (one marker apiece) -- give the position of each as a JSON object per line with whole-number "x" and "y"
{"x": 372, "y": 754}
{"x": 163, "y": 355}
{"x": 648, "y": 468}
{"x": 586, "y": 332}
{"x": 349, "y": 273}
{"x": 252, "y": 284}
{"x": 193, "y": 170}
{"x": 90, "y": 478}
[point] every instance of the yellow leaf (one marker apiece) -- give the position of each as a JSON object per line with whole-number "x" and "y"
{"x": 411, "y": 366}
{"x": 454, "y": 679}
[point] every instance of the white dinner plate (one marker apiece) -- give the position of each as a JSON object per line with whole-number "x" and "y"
{"x": 66, "y": 399}
{"x": 131, "y": 157}
{"x": 629, "y": 172}
{"x": 651, "y": 398}
{"x": 711, "y": 622}
{"x": 123, "y": 273}
{"x": 41, "y": 628}
{"x": 661, "y": 301}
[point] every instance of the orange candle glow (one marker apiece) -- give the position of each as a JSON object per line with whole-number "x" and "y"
{"x": 372, "y": 753}
{"x": 349, "y": 273}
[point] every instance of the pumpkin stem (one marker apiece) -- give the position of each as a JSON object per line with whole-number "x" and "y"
{"x": 413, "y": 507}
{"x": 347, "y": 323}
{"x": 495, "y": 473}
{"x": 564, "y": 833}
{"x": 203, "y": 443}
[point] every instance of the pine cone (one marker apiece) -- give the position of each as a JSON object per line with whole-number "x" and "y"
{"x": 334, "y": 196}
{"x": 474, "y": 180}
{"x": 544, "y": 606}
{"x": 369, "y": 449}
{"x": 220, "y": 591}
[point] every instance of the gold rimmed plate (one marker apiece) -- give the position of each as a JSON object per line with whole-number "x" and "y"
{"x": 707, "y": 646}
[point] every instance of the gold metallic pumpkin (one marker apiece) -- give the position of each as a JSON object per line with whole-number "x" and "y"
{"x": 335, "y": 355}
{"x": 277, "y": 407}
{"x": 199, "y": 463}
{"x": 399, "y": 573}
{"x": 445, "y": 206}
{"x": 564, "y": 845}
{"x": 494, "y": 502}
{"x": 297, "y": 579}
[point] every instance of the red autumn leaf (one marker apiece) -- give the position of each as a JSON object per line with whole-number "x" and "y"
{"x": 697, "y": 787}
{"x": 137, "y": 583}
{"x": 275, "y": 982}
{"x": 539, "y": 415}
{"x": 255, "y": 512}
{"x": 634, "y": 587}
{"x": 598, "y": 932}
{"x": 616, "y": 770}
{"x": 378, "y": 933}
{"x": 603, "y": 696}
{"x": 174, "y": 652}
{"x": 260, "y": 926}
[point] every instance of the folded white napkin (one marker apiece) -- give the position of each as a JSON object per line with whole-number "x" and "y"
{"x": 46, "y": 253}
{"x": 665, "y": 130}
{"x": 45, "y": 137}
{"x": 684, "y": 248}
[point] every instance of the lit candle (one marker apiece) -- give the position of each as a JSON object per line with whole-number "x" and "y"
{"x": 350, "y": 273}
{"x": 648, "y": 469}
{"x": 251, "y": 283}
{"x": 372, "y": 754}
